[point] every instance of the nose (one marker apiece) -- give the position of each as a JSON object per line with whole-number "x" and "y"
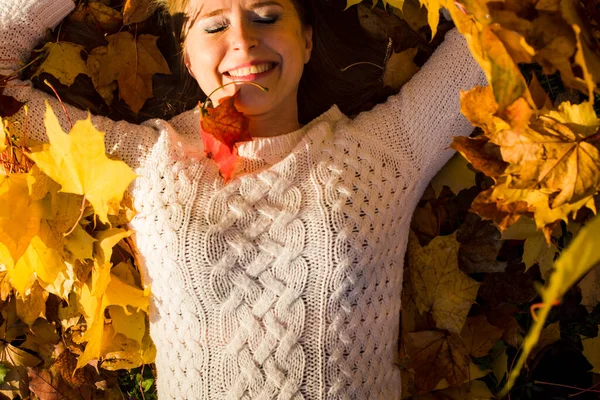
{"x": 243, "y": 36}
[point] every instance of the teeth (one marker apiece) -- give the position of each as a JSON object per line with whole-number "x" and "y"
{"x": 254, "y": 69}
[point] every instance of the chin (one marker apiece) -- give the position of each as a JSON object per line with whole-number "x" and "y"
{"x": 251, "y": 105}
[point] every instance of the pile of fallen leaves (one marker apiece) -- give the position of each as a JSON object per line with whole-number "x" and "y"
{"x": 515, "y": 213}
{"x": 502, "y": 285}
{"x": 70, "y": 296}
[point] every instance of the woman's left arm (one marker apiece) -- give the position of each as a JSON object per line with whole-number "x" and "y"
{"x": 422, "y": 119}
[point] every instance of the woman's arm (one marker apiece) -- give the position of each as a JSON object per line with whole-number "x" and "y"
{"x": 22, "y": 24}
{"x": 422, "y": 119}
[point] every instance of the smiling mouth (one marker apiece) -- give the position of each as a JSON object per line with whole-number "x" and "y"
{"x": 251, "y": 71}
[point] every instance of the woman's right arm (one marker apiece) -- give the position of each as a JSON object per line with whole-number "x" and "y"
{"x": 22, "y": 24}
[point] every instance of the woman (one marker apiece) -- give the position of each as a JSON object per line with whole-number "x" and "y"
{"x": 285, "y": 282}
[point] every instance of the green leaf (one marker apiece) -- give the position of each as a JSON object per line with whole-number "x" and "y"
{"x": 4, "y": 369}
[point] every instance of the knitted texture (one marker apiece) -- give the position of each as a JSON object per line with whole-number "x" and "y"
{"x": 284, "y": 283}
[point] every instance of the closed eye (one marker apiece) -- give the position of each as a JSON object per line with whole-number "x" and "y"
{"x": 215, "y": 28}
{"x": 266, "y": 20}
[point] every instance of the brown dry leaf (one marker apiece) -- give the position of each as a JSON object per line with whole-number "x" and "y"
{"x": 94, "y": 63}
{"x": 135, "y": 11}
{"x": 503, "y": 213}
{"x": 98, "y": 15}
{"x": 132, "y": 63}
{"x": 474, "y": 390}
{"x": 63, "y": 61}
{"x": 510, "y": 286}
{"x": 33, "y": 306}
{"x": 480, "y": 243}
{"x": 590, "y": 289}
{"x": 480, "y": 336}
{"x": 550, "y": 334}
{"x": 591, "y": 351}
{"x": 399, "y": 68}
{"x": 435, "y": 356}
{"x": 537, "y": 251}
{"x": 481, "y": 153}
{"x": 439, "y": 286}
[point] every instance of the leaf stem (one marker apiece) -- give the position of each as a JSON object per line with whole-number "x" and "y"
{"x": 565, "y": 386}
{"x": 60, "y": 101}
{"x": 78, "y": 219}
{"x": 362, "y": 62}
{"x": 264, "y": 89}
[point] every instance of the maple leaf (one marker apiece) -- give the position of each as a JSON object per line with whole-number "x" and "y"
{"x": 98, "y": 15}
{"x": 221, "y": 129}
{"x": 455, "y": 174}
{"x": 399, "y": 68}
{"x": 20, "y": 216}
{"x": 479, "y": 246}
{"x": 558, "y": 154}
{"x": 440, "y": 287}
{"x": 32, "y": 306}
{"x": 9, "y": 106}
{"x": 77, "y": 161}
{"x": 132, "y": 62}
{"x": 480, "y": 336}
{"x": 135, "y": 11}
{"x": 435, "y": 356}
{"x": 473, "y": 390}
{"x": 94, "y": 64}
{"x": 63, "y": 61}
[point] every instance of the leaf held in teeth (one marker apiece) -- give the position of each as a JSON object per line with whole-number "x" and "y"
{"x": 221, "y": 129}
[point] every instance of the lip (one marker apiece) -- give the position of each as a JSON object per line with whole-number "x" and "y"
{"x": 251, "y": 77}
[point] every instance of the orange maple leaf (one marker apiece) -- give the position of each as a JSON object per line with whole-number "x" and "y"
{"x": 221, "y": 129}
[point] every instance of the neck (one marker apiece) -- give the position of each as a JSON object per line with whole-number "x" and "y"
{"x": 274, "y": 123}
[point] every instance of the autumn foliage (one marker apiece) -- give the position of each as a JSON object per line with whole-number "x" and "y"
{"x": 501, "y": 275}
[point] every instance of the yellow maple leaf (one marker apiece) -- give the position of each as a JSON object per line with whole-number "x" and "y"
{"x": 63, "y": 61}
{"x": 132, "y": 63}
{"x": 80, "y": 244}
{"x": 41, "y": 262}
{"x": 440, "y": 287}
{"x": 33, "y": 306}
{"x": 106, "y": 290}
{"x": 135, "y": 11}
{"x": 20, "y": 216}
{"x": 2, "y": 137}
{"x": 78, "y": 162}
{"x": 399, "y": 68}
{"x": 106, "y": 240}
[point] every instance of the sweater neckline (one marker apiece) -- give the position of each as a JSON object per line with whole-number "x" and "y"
{"x": 273, "y": 149}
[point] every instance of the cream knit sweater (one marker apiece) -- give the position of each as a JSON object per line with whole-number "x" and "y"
{"x": 284, "y": 283}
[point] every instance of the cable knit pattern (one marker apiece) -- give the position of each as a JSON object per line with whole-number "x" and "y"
{"x": 284, "y": 283}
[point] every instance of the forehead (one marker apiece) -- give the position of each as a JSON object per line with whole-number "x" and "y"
{"x": 203, "y": 7}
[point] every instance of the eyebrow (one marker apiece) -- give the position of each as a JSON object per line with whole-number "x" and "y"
{"x": 254, "y": 6}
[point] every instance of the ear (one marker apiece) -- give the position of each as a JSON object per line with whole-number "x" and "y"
{"x": 186, "y": 61}
{"x": 307, "y": 32}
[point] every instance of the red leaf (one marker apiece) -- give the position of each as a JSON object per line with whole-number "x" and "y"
{"x": 221, "y": 128}
{"x": 8, "y": 105}
{"x": 225, "y": 123}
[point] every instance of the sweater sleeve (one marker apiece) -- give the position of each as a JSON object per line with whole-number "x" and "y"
{"x": 22, "y": 24}
{"x": 422, "y": 119}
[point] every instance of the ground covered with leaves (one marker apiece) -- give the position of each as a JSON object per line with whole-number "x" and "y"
{"x": 501, "y": 283}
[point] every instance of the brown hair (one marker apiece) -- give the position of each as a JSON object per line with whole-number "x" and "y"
{"x": 338, "y": 41}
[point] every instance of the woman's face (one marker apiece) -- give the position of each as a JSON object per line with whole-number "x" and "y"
{"x": 260, "y": 41}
